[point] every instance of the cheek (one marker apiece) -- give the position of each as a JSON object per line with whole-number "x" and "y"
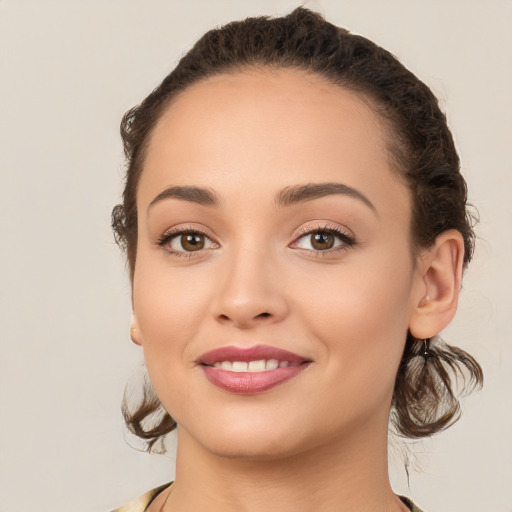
{"x": 360, "y": 313}
{"x": 169, "y": 308}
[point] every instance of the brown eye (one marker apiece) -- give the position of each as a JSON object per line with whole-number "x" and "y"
{"x": 185, "y": 242}
{"x": 189, "y": 242}
{"x": 322, "y": 241}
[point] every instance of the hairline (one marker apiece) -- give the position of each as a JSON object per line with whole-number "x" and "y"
{"x": 392, "y": 139}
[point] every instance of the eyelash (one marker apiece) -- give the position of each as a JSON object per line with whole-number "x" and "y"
{"x": 346, "y": 239}
{"x": 173, "y": 233}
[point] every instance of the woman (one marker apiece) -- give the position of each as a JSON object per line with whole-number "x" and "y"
{"x": 296, "y": 230}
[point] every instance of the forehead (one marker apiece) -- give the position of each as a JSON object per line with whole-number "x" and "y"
{"x": 245, "y": 130}
{"x": 264, "y": 105}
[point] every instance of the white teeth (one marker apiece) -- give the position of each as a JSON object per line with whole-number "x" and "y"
{"x": 272, "y": 364}
{"x": 257, "y": 366}
{"x": 252, "y": 366}
{"x": 240, "y": 366}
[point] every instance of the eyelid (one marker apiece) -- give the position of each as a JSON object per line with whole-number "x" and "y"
{"x": 176, "y": 231}
{"x": 326, "y": 227}
{"x": 346, "y": 236}
{"x": 343, "y": 234}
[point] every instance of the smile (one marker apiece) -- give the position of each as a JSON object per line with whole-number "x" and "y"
{"x": 251, "y": 370}
{"x": 254, "y": 366}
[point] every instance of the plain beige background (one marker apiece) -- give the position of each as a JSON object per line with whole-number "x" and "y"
{"x": 68, "y": 71}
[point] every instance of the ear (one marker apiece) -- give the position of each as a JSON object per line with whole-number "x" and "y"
{"x": 135, "y": 331}
{"x": 440, "y": 277}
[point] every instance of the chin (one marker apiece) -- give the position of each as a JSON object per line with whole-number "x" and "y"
{"x": 246, "y": 443}
{"x": 251, "y": 451}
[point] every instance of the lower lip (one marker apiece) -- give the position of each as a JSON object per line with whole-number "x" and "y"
{"x": 249, "y": 383}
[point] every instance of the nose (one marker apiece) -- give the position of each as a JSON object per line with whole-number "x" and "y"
{"x": 250, "y": 291}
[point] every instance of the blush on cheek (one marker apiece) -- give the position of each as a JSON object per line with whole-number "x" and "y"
{"x": 367, "y": 325}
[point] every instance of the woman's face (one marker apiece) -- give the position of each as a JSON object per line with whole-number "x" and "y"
{"x": 270, "y": 219}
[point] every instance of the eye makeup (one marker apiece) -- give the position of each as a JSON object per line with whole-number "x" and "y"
{"x": 324, "y": 240}
{"x": 189, "y": 237}
{"x": 323, "y": 234}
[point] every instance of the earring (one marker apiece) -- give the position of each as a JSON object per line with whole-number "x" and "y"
{"x": 132, "y": 334}
{"x": 426, "y": 349}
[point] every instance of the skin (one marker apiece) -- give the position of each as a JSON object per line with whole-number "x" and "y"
{"x": 258, "y": 280}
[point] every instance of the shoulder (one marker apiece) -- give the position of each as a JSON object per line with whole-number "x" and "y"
{"x": 142, "y": 502}
{"x": 412, "y": 506}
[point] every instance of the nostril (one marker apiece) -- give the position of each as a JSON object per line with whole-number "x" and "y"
{"x": 242, "y": 319}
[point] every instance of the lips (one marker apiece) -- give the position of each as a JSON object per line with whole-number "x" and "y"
{"x": 251, "y": 370}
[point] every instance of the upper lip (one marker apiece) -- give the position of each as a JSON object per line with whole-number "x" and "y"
{"x": 255, "y": 353}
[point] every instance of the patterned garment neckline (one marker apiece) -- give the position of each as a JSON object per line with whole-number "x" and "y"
{"x": 142, "y": 503}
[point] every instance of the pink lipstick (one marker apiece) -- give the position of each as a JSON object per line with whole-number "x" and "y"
{"x": 251, "y": 370}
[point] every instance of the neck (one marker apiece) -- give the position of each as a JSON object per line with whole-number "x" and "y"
{"x": 346, "y": 476}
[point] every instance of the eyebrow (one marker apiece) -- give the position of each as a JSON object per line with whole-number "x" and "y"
{"x": 287, "y": 197}
{"x": 199, "y": 195}
{"x": 302, "y": 193}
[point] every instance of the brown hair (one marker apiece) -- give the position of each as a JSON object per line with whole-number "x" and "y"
{"x": 421, "y": 147}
